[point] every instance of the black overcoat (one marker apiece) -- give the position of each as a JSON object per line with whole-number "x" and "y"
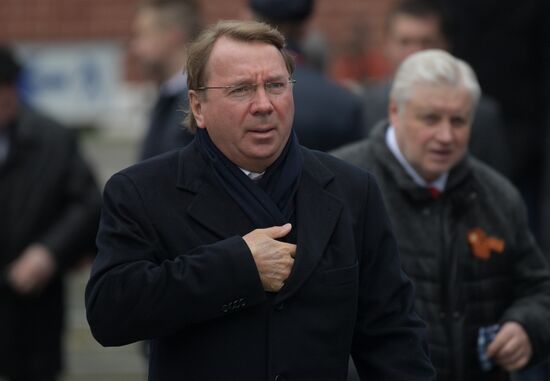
{"x": 172, "y": 267}
{"x": 47, "y": 196}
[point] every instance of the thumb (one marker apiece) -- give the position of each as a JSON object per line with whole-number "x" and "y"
{"x": 278, "y": 231}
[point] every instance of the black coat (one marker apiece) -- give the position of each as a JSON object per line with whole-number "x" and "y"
{"x": 166, "y": 131}
{"x": 545, "y": 210}
{"x": 47, "y": 196}
{"x": 507, "y": 42}
{"x": 172, "y": 267}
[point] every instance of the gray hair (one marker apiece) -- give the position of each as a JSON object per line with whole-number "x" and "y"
{"x": 433, "y": 67}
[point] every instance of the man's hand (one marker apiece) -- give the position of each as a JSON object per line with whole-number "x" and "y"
{"x": 274, "y": 259}
{"x": 511, "y": 348}
{"x": 32, "y": 269}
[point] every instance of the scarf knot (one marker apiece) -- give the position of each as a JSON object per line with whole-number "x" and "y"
{"x": 270, "y": 201}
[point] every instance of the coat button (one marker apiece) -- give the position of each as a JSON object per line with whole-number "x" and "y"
{"x": 280, "y": 306}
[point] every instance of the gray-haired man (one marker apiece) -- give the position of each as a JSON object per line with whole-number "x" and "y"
{"x": 461, "y": 227}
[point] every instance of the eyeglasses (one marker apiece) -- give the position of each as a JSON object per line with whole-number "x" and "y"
{"x": 247, "y": 91}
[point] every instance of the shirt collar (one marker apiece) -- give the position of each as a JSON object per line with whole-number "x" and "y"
{"x": 391, "y": 142}
{"x": 254, "y": 176}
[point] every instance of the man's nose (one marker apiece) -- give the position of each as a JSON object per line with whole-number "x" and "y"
{"x": 445, "y": 132}
{"x": 261, "y": 103}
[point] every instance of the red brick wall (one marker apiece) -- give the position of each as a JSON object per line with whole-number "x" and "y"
{"x": 351, "y": 27}
{"x": 24, "y": 20}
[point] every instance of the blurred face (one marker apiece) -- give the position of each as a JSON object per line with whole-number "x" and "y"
{"x": 433, "y": 128}
{"x": 153, "y": 43}
{"x": 250, "y": 130}
{"x": 8, "y": 105}
{"x": 408, "y": 35}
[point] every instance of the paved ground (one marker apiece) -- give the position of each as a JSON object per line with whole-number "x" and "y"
{"x": 86, "y": 360}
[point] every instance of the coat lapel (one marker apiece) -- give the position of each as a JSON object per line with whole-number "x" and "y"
{"x": 212, "y": 207}
{"x": 317, "y": 214}
{"x": 317, "y": 211}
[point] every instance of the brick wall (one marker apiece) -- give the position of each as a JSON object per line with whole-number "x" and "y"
{"x": 35, "y": 20}
{"x": 352, "y": 28}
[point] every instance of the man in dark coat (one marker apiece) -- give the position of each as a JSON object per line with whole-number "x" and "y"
{"x": 415, "y": 25}
{"x": 162, "y": 29}
{"x": 49, "y": 211}
{"x": 507, "y": 42}
{"x": 327, "y": 115}
{"x": 245, "y": 256}
{"x": 483, "y": 285}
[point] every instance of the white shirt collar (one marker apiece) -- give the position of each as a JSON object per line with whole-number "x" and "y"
{"x": 254, "y": 176}
{"x": 391, "y": 142}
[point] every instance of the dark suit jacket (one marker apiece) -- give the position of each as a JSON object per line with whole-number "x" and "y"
{"x": 327, "y": 116}
{"x": 166, "y": 131}
{"x": 173, "y": 267}
{"x": 47, "y": 196}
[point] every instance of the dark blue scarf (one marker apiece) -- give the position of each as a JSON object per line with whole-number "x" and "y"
{"x": 271, "y": 200}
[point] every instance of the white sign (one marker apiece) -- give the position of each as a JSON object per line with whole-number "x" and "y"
{"x": 77, "y": 83}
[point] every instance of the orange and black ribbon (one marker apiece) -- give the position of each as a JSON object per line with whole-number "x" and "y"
{"x": 482, "y": 245}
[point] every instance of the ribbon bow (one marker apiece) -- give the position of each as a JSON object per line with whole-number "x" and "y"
{"x": 483, "y": 245}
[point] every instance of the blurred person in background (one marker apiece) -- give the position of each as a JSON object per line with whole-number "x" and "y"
{"x": 410, "y": 26}
{"x": 327, "y": 115}
{"x": 49, "y": 211}
{"x": 542, "y": 372}
{"x": 162, "y": 29}
{"x": 482, "y": 284}
{"x": 415, "y": 25}
{"x": 507, "y": 42}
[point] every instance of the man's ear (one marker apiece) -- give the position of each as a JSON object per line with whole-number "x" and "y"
{"x": 195, "y": 102}
{"x": 393, "y": 112}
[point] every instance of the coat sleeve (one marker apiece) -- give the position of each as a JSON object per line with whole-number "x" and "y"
{"x": 531, "y": 284}
{"x": 133, "y": 296}
{"x": 72, "y": 233}
{"x": 389, "y": 341}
